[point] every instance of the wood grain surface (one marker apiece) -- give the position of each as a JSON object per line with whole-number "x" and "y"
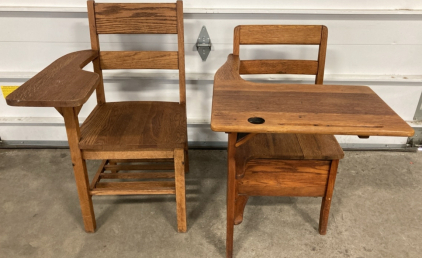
{"x": 139, "y": 60}
{"x": 280, "y": 34}
{"x": 134, "y": 126}
{"x": 231, "y": 193}
{"x": 179, "y": 167}
{"x": 299, "y": 108}
{"x": 133, "y": 154}
{"x": 79, "y": 169}
{"x": 139, "y": 167}
{"x": 278, "y": 67}
{"x": 240, "y": 204}
{"x": 61, "y": 84}
{"x": 287, "y": 147}
{"x": 138, "y": 175}
{"x": 133, "y": 18}
{"x": 95, "y": 45}
{"x": 181, "y": 58}
{"x": 275, "y": 177}
{"x": 328, "y": 196}
{"x": 132, "y": 188}
{"x": 319, "y": 79}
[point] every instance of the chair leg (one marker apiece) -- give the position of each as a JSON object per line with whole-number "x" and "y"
{"x": 85, "y": 199}
{"x": 179, "y": 166}
{"x": 230, "y": 217}
{"x": 79, "y": 168}
{"x": 231, "y": 194}
{"x": 240, "y": 203}
{"x": 326, "y": 200}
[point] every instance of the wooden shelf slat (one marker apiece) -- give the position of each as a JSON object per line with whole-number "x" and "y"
{"x": 140, "y": 175}
{"x": 140, "y": 167}
{"x": 132, "y": 188}
{"x": 140, "y": 160}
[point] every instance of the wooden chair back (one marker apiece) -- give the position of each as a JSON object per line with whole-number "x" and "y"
{"x": 282, "y": 34}
{"x": 137, "y": 18}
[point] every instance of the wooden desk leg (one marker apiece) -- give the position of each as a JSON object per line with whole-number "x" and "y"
{"x": 241, "y": 201}
{"x": 231, "y": 193}
{"x": 79, "y": 168}
{"x": 326, "y": 200}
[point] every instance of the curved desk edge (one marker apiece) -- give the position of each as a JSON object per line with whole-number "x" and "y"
{"x": 61, "y": 84}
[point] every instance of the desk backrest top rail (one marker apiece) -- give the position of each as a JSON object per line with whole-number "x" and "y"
{"x": 279, "y": 34}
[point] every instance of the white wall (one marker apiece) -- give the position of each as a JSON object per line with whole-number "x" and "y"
{"x": 375, "y": 43}
{"x": 270, "y": 4}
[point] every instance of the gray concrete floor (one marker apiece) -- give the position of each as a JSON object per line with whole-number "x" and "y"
{"x": 376, "y": 212}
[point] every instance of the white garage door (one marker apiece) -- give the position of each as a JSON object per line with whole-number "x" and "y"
{"x": 375, "y": 43}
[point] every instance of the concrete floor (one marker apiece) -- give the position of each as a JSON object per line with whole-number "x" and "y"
{"x": 376, "y": 212}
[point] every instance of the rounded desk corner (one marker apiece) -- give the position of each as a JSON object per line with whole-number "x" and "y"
{"x": 213, "y": 128}
{"x": 11, "y": 102}
{"x": 411, "y": 132}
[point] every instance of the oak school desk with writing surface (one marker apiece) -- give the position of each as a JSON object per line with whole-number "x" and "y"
{"x": 279, "y": 136}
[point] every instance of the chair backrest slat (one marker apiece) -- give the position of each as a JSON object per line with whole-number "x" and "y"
{"x": 282, "y": 34}
{"x": 139, "y": 60}
{"x": 278, "y": 67}
{"x": 122, "y": 18}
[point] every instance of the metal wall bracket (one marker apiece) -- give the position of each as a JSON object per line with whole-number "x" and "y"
{"x": 416, "y": 139}
{"x": 418, "y": 112}
{"x": 203, "y": 44}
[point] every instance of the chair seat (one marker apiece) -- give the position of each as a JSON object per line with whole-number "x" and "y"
{"x": 288, "y": 147}
{"x": 135, "y": 126}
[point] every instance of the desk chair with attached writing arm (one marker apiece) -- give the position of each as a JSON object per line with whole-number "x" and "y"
{"x": 151, "y": 135}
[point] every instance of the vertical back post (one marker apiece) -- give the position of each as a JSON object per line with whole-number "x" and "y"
{"x": 95, "y": 45}
{"x": 181, "y": 52}
{"x": 236, "y": 41}
{"x": 319, "y": 79}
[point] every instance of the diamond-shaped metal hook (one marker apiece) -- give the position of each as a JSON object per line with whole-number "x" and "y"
{"x": 203, "y": 43}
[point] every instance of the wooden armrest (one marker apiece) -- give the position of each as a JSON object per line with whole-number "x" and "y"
{"x": 229, "y": 70}
{"x": 62, "y": 84}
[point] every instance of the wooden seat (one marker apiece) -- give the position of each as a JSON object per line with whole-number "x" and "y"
{"x": 115, "y": 126}
{"x": 142, "y": 145}
{"x": 269, "y": 164}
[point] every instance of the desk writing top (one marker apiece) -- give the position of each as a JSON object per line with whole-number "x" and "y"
{"x": 299, "y": 108}
{"x": 62, "y": 84}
